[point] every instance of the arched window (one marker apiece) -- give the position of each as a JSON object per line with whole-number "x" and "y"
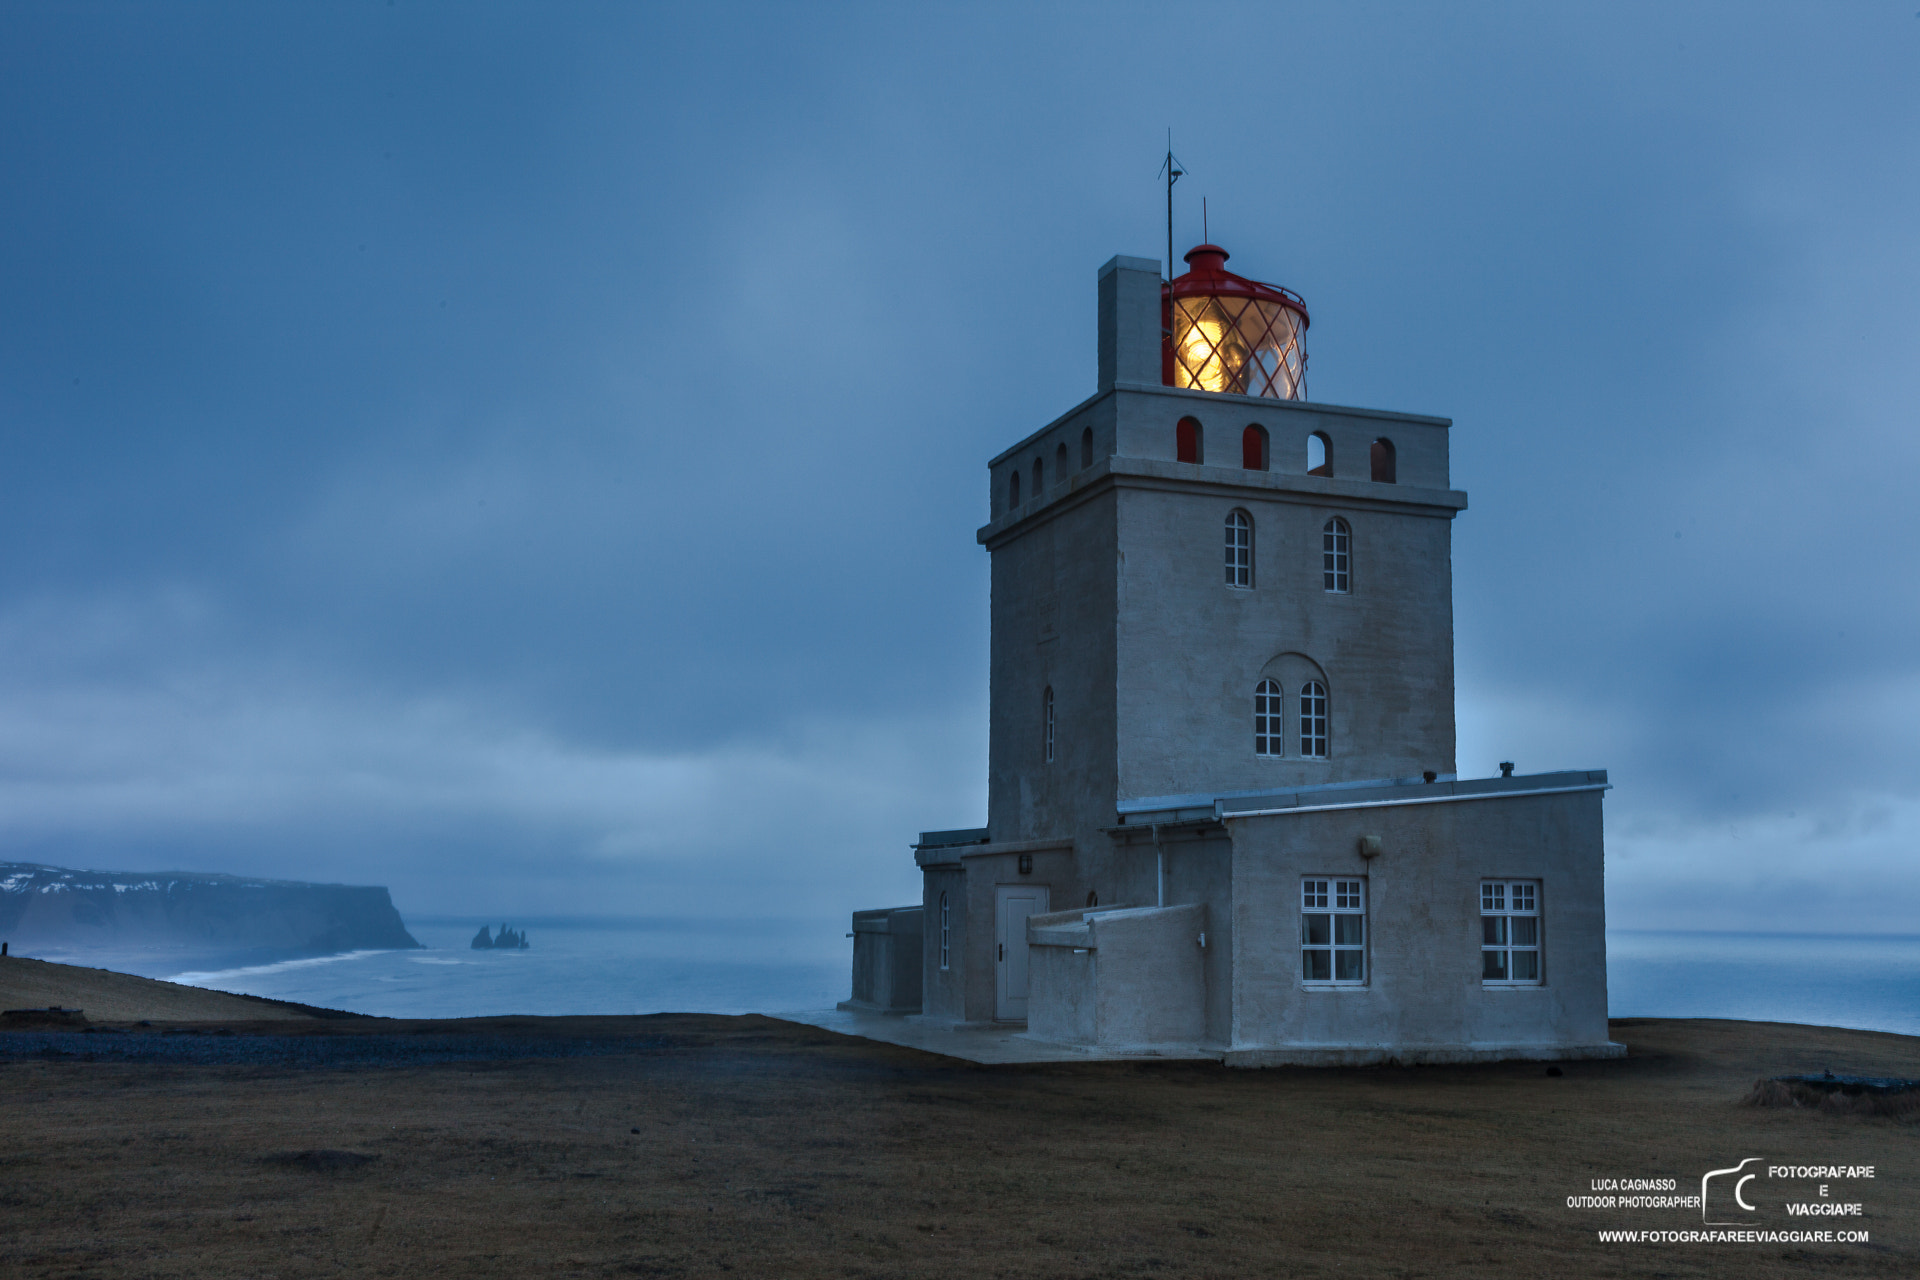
{"x": 1269, "y": 738}
{"x": 1313, "y": 720}
{"x": 1336, "y": 556}
{"x": 1253, "y": 448}
{"x": 1086, "y": 447}
{"x": 1093, "y": 898}
{"x": 1239, "y": 549}
{"x": 1060, "y": 463}
{"x": 1013, "y": 489}
{"x": 1046, "y": 713}
{"x": 1383, "y": 461}
{"x": 946, "y": 933}
{"x": 1186, "y": 440}
{"x": 1039, "y": 479}
{"x": 1319, "y": 454}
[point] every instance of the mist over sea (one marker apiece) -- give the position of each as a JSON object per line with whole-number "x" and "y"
{"x": 625, "y": 966}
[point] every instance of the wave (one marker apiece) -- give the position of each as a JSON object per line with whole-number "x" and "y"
{"x": 201, "y": 979}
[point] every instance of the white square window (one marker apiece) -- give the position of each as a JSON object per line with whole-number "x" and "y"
{"x": 1333, "y": 931}
{"x": 1510, "y": 933}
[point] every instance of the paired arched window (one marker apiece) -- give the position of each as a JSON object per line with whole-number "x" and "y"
{"x": 1046, "y": 715}
{"x": 1384, "y": 467}
{"x": 1187, "y": 441}
{"x": 946, "y": 933}
{"x": 1268, "y": 735}
{"x": 1319, "y": 454}
{"x": 1239, "y": 549}
{"x": 1253, "y": 448}
{"x": 1313, "y": 720}
{"x": 1336, "y": 556}
{"x": 1086, "y": 448}
{"x": 1013, "y": 489}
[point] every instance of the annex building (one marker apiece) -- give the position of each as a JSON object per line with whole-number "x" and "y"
{"x": 1223, "y": 811}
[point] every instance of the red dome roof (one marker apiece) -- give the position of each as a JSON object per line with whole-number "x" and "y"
{"x": 1210, "y": 278}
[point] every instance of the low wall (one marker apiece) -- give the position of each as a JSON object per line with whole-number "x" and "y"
{"x": 1118, "y": 977}
{"x": 886, "y": 960}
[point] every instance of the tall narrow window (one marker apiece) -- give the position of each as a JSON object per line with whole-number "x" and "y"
{"x": 1060, "y": 463}
{"x": 1336, "y": 556}
{"x": 1384, "y": 468}
{"x": 1013, "y": 489}
{"x": 1186, "y": 440}
{"x": 1510, "y": 933}
{"x": 946, "y": 933}
{"x": 1333, "y": 931}
{"x": 1239, "y": 549}
{"x": 1313, "y": 720}
{"x": 1319, "y": 454}
{"x": 1086, "y": 447}
{"x": 1046, "y": 713}
{"x": 1253, "y": 448}
{"x": 1269, "y": 737}
{"x": 1039, "y": 479}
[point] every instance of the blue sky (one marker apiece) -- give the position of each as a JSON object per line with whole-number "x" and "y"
{"x": 528, "y": 456}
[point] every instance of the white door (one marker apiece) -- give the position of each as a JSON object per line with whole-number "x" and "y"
{"x": 1012, "y": 904}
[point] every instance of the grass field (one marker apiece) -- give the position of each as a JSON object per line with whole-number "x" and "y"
{"x": 691, "y": 1145}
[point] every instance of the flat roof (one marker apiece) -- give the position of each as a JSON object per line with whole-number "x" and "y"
{"x": 1369, "y": 791}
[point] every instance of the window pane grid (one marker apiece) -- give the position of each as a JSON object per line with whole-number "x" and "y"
{"x": 1048, "y": 714}
{"x": 1239, "y": 549}
{"x": 1313, "y": 720}
{"x": 1510, "y": 933}
{"x": 1268, "y": 733}
{"x": 946, "y": 933}
{"x": 1333, "y": 931}
{"x": 1336, "y": 556}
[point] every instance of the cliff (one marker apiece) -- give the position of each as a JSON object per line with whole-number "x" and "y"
{"x": 52, "y": 907}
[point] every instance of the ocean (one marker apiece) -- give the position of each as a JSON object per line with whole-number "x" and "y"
{"x": 570, "y": 966}
{"x": 586, "y": 966}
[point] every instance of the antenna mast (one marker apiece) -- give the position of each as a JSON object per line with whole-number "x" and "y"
{"x": 1174, "y": 173}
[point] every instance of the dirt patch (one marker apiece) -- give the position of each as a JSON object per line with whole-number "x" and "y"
{"x": 322, "y": 1160}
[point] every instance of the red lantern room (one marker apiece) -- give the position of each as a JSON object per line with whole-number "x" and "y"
{"x": 1224, "y": 332}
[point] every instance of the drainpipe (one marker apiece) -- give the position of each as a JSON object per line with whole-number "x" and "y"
{"x": 1159, "y": 870}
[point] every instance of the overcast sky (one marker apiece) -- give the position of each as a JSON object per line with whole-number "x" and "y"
{"x": 528, "y": 456}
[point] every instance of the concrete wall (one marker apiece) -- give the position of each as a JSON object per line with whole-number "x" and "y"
{"x": 1052, "y": 626}
{"x": 964, "y": 992}
{"x": 1118, "y": 978}
{"x": 1128, "y": 328}
{"x": 1145, "y": 418}
{"x": 943, "y": 989}
{"x": 1190, "y": 649}
{"x": 1423, "y": 995}
{"x": 887, "y": 957}
{"x": 1199, "y": 869}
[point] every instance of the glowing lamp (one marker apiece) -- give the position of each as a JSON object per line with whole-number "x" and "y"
{"x": 1224, "y": 332}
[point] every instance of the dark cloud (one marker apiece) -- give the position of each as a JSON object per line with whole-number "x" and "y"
{"x": 528, "y": 452}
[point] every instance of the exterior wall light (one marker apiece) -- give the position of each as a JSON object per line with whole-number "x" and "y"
{"x": 1026, "y": 864}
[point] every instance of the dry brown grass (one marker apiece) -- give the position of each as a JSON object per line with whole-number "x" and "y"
{"x": 750, "y": 1147}
{"x": 106, "y": 996}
